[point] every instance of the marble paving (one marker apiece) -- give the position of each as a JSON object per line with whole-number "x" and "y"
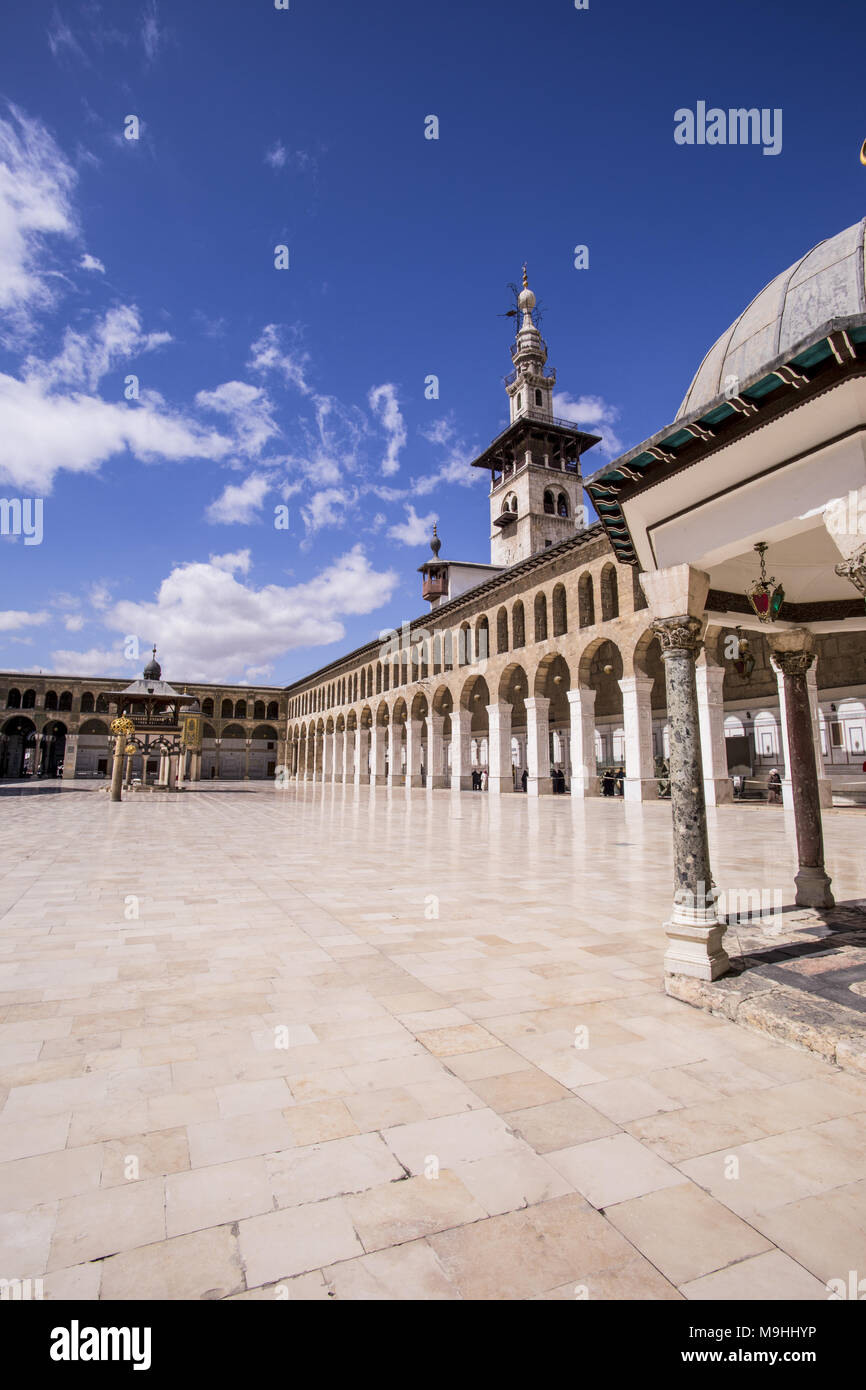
{"x": 333, "y": 1043}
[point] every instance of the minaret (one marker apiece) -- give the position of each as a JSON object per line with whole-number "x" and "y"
{"x": 530, "y": 391}
{"x": 536, "y": 488}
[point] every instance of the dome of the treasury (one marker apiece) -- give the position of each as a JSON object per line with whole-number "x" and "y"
{"x": 827, "y": 283}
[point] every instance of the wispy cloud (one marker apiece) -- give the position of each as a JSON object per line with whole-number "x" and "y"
{"x": 240, "y": 503}
{"x": 415, "y": 530}
{"x": 383, "y": 402}
{"x": 594, "y": 415}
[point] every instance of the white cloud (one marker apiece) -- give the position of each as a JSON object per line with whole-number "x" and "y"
{"x": 95, "y": 661}
{"x": 327, "y": 507}
{"x": 255, "y": 626}
{"x": 89, "y": 262}
{"x": 43, "y": 434}
{"x": 594, "y": 415}
{"x": 74, "y": 623}
{"x": 151, "y": 34}
{"x": 415, "y": 530}
{"x": 270, "y": 354}
{"x": 276, "y": 156}
{"x": 249, "y": 411}
{"x": 241, "y": 502}
{"x": 36, "y": 183}
{"x": 383, "y": 403}
{"x": 85, "y": 358}
{"x": 457, "y": 464}
{"x": 12, "y": 619}
{"x": 61, "y": 39}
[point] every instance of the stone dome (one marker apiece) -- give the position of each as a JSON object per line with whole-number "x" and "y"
{"x": 827, "y": 283}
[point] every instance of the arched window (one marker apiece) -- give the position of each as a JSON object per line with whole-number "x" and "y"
{"x": 273, "y": 710}
{"x": 87, "y": 703}
{"x": 241, "y": 709}
{"x": 585, "y": 601}
{"x": 560, "y": 611}
{"x": 548, "y": 504}
{"x": 482, "y": 639}
{"x": 520, "y": 400}
{"x": 464, "y": 647}
{"x": 609, "y": 594}
{"x": 539, "y": 399}
{"x": 226, "y": 709}
{"x": 13, "y": 699}
{"x": 518, "y": 624}
{"x": 28, "y": 700}
{"x": 448, "y": 652}
{"x": 562, "y": 505}
{"x": 502, "y": 630}
{"x": 51, "y": 699}
{"x": 378, "y": 678}
{"x": 65, "y": 700}
{"x": 540, "y": 618}
{"x": 102, "y": 703}
{"x": 259, "y": 709}
{"x": 207, "y": 708}
{"x": 637, "y": 593}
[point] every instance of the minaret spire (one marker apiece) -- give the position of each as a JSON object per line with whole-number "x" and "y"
{"x": 530, "y": 391}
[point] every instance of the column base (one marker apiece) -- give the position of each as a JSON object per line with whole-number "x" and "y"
{"x": 695, "y": 944}
{"x": 539, "y": 786}
{"x": 361, "y": 779}
{"x": 437, "y": 781}
{"x": 499, "y": 786}
{"x": 416, "y": 780}
{"x": 460, "y": 784}
{"x": 640, "y": 789}
{"x": 583, "y": 787}
{"x": 813, "y": 888}
{"x": 398, "y": 779}
{"x": 718, "y": 791}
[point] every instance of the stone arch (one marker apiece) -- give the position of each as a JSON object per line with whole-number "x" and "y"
{"x": 419, "y": 706}
{"x": 560, "y": 611}
{"x": 50, "y": 699}
{"x": 513, "y": 690}
{"x": 259, "y": 709}
{"x": 502, "y": 631}
{"x": 443, "y": 700}
{"x": 207, "y": 708}
{"x": 609, "y": 593}
{"x": 233, "y": 731}
{"x": 93, "y": 726}
{"x": 540, "y": 615}
{"x": 383, "y": 714}
{"x": 585, "y": 600}
{"x": 226, "y": 709}
{"x": 65, "y": 703}
{"x": 562, "y": 505}
{"x": 549, "y": 503}
{"x": 208, "y": 731}
{"x": 264, "y": 731}
{"x": 13, "y": 699}
{"x": 273, "y": 710}
{"x": 240, "y": 709}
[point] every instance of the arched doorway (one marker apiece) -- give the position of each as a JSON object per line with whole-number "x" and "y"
{"x": 18, "y": 748}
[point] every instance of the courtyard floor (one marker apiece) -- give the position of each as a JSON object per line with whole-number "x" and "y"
{"x": 332, "y": 1043}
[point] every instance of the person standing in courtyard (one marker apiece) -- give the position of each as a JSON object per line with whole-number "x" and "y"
{"x": 774, "y": 788}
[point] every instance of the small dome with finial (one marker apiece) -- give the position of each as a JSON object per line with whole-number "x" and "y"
{"x": 435, "y": 544}
{"x": 153, "y": 670}
{"x": 526, "y": 299}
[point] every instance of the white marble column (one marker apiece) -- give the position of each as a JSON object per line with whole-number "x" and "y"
{"x": 70, "y": 757}
{"x": 352, "y": 763}
{"x": 500, "y": 777}
{"x": 640, "y": 779}
{"x": 435, "y": 752}
{"x": 584, "y": 777}
{"x": 395, "y": 754}
{"x": 378, "y": 745}
{"x": 340, "y": 755}
{"x": 825, "y": 794}
{"x": 538, "y": 746}
{"x": 328, "y": 760}
{"x": 718, "y": 787}
{"x": 413, "y": 753}
{"x": 461, "y": 728}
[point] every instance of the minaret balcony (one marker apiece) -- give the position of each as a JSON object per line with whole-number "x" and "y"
{"x": 434, "y": 586}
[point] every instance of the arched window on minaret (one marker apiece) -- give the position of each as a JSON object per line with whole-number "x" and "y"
{"x": 549, "y": 507}
{"x": 562, "y": 505}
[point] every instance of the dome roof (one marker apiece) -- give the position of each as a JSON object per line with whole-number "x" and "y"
{"x": 153, "y": 670}
{"x": 827, "y": 283}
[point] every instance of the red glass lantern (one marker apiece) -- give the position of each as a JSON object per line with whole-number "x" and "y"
{"x": 765, "y": 596}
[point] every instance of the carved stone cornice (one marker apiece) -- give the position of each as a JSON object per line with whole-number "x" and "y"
{"x": 679, "y": 635}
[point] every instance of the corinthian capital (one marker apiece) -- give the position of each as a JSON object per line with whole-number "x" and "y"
{"x": 854, "y": 569}
{"x": 681, "y": 635}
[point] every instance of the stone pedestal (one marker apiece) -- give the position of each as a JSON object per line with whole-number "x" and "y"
{"x": 718, "y": 786}
{"x": 640, "y": 783}
{"x": 500, "y": 777}
{"x": 538, "y": 782}
{"x": 694, "y": 931}
{"x": 584, "y": 774}
{"x": 793, "y": 654}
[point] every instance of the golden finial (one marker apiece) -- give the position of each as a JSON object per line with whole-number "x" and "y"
{"x": 525, "y": 279}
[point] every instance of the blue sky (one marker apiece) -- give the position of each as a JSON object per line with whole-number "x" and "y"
{"x": 305, "y": 387}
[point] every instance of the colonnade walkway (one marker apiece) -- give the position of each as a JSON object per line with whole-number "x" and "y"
{"x": 399, "y": 1044}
